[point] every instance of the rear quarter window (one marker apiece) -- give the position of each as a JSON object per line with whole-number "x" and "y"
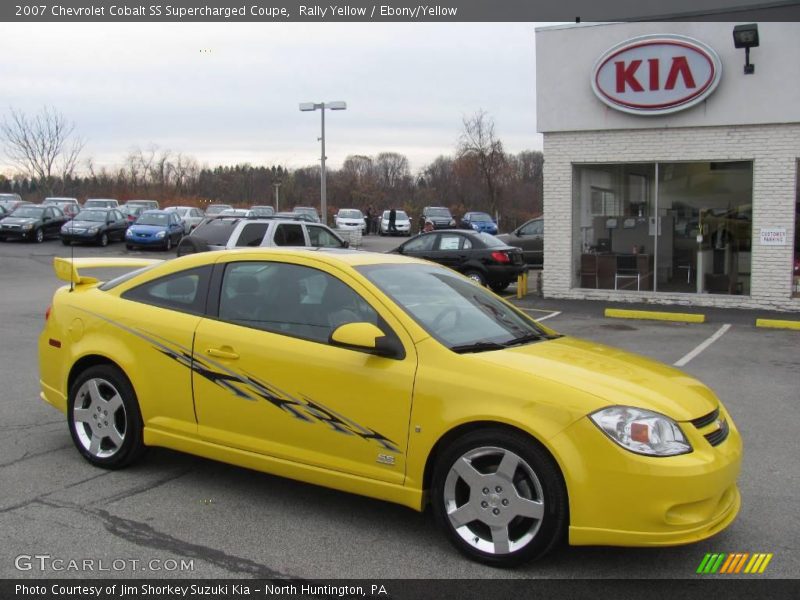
{"x": 185, "y": 291}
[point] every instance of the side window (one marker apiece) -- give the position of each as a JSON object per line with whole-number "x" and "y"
{"x": 322, "y": 238}
{"x": 532, "y": 228}
{"x": 252, "y": 234}
{"x": 48, "y": 213}
{"x": 289, "y": 299}
{"x": 289, "y": 234}
{"x": 450, "y": 242}
{"x": 421, "y": 244}
{"x": 185, "y": 291}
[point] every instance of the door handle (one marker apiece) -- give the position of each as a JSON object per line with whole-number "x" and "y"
{"x": 224, "y": 352}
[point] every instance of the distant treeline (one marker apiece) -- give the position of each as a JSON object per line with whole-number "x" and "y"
{"x": 380, "y": 182}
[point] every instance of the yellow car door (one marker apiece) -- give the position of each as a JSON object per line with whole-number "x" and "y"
{"x": 267, "y": 379}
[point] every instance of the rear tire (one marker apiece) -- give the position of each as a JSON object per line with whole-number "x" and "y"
{"x": 104, "y": 418}
{"x": 499, "y": 287}
{"x": 499, "y": 497}
{"x": 476, "y": 276}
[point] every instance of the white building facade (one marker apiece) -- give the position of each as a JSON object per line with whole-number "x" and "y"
{"x": 671, "y": 175}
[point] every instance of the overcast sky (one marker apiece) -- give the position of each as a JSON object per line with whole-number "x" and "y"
{"x": 407, "y": 86}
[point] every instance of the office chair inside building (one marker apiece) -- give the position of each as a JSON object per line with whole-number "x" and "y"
{"x": 627, "y": 268}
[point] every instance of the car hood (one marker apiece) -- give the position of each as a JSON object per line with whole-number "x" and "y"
{"x": 613, "y": 376}
{"x": 19, "y": 220}
{"x": 83, "y": 224}
{"x": 146, "y": 228}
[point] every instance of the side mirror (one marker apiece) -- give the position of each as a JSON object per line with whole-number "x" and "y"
{"x": 367, "y": 338}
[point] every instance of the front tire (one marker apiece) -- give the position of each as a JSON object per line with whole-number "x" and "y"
{"x": 499, "y": 497}
{"x": 104, "y": 418}
{"x": 168, "y": 244}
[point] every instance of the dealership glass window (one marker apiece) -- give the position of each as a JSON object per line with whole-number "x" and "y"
{"x": 670, "y": 227}
{"x": 796, "y": 255}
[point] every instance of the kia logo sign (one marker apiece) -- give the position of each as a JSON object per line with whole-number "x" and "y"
{"x": 656, "y": 74}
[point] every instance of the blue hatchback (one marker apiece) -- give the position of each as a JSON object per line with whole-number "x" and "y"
{"x": 480, "y": 222}
{"x": 159, "y": 228}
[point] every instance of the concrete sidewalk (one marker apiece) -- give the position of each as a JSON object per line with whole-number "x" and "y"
{"x": 597, "y": 308}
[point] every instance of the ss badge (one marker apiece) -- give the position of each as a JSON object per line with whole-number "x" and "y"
{"x": 386, "y": 459}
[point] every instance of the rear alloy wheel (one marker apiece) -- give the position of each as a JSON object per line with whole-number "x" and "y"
{"x": 104, "y": 418}
{"x": 38, "y": 235}
{"x": 499, "y": 498}
{"x": 476, "y": 276}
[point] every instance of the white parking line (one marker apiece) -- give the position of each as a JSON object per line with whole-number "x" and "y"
{"x": 685, "y": 360}
{"x": 550, "y": 316}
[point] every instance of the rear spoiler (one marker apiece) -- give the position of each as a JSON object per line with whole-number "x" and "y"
{"x": 68, "y": 269}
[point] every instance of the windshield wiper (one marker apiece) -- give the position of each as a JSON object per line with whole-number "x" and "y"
{"x": 529, "y": 337}
{"x": 477, "y": 347}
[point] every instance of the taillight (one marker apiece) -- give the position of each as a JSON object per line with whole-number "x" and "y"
{"x": 47, "y": 312}
{"x": 501, "y": 257}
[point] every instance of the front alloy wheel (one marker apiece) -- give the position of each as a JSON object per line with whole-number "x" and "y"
{"x": 103, "y": 240}
{"x": 104, "y": 418}
{"x": 499, "y": 498}
{"x": 38, "y": 235}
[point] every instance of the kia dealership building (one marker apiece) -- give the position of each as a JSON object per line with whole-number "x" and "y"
{"x": 671, "y": 162}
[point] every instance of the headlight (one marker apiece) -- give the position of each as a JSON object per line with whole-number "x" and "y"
{"x": 475, "y": 226}
{"x": 93, "y": 230}
{"x": 27, "y": 226}
{"x": 642, "y": 431}
{"x": 65, "y": 228}
{"x": 161, "y": 234}
{"x": 452, "y": 222}
{"x": 128, "y": 233}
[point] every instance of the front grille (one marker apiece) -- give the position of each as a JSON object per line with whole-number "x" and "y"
{"x": 706, "y": 420}
{"x": 717, "y": 437}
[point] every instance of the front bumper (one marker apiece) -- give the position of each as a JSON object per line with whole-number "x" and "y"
{"x": 620, "y": 498}
{"x": 16, "y": 234}
{"x": 85, "y": 237}
{"x": 145, "y": 241}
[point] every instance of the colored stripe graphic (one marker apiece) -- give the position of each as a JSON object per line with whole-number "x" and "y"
{"x": 733, "y": 563}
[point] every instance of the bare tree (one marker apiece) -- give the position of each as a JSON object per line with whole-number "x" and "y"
{"x": 44, "y": 146}
{"x": 479, "y": 143}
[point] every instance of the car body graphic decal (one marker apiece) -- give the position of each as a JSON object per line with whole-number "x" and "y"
{"x": 249, "y": 387}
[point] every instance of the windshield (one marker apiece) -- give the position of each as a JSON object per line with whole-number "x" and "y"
{"x": 92, "y": 215}
{"x": 463, "y": 316}
{"x": 217, "y": 208}
{"x": 438, "y": 212}
{"x": 160, "y": 220}
{"x": 350, "y": 214}
{"x": 99, "y": 203}
{"x": 29, "y": 212}
{"x": 482, "y": 217}
{"x": 399, "y": 215}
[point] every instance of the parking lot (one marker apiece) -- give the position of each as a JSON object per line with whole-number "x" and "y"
{"x": 231, "y": 522}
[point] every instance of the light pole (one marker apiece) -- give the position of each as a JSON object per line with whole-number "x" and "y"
{"x": 277, "y": 186}
{"x": 321, "y": 106}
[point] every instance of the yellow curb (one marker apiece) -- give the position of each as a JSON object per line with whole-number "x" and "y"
{"x": 619, "y": 313}
{"x": 778, "y": 324}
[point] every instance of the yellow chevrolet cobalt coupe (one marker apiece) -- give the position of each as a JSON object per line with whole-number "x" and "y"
{"x": 394, "y": 378}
